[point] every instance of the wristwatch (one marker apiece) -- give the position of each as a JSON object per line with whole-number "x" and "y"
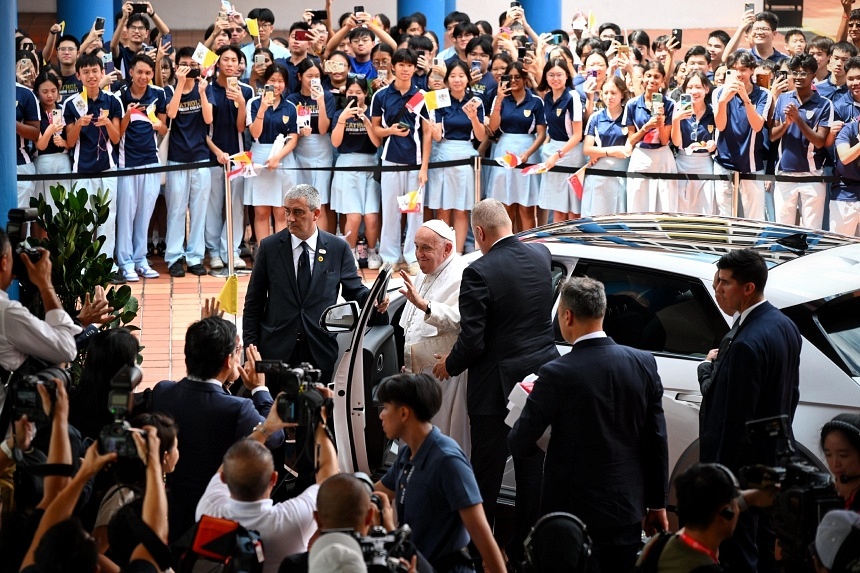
{"x": 427, "y": 310}
{"x": 261, "y": 427}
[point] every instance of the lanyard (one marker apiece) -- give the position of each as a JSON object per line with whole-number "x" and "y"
{"x": 692, "y": 543}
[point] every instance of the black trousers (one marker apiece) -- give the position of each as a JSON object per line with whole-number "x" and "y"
{"x": 614, "y": 549}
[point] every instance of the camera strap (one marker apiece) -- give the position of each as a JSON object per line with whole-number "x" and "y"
{"x": 156, "y": 547}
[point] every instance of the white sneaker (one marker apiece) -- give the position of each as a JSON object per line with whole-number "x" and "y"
{"x": 147, "y": 272}
{"x": 374, "y": 261}
{"x": 215, "y": 263}
{"x": 239, "y": 263}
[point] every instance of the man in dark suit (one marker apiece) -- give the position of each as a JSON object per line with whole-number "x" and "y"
{"x": 296, "y": 276}
{"x": 209, "y": 418}
{"x": 505, "y": 335}
{"x": 608, "y": 458}
{"x": 755, "y": 375}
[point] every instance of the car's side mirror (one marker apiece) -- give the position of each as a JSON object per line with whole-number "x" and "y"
{"x": 340, "y": 317}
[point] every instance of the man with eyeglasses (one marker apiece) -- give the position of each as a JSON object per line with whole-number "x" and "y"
{"x": 801, "y": 124}
{"x": 67, "y": 55}
{"x": 137, "y": 26}
{"x": 266, "y": 24}
{"x": 849, "y": 27}
{"x": 761, "y": 35}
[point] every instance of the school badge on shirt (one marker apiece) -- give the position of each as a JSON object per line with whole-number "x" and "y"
{"x": 527, "y": 112}
{"x": 558, "y": 112}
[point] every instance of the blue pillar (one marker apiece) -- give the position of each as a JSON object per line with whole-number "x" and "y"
{"x": 543, "y": 15}
{"x": 79, "y": 16}
{"x": 8, "y": 189}
{"x": 434, "y": 11}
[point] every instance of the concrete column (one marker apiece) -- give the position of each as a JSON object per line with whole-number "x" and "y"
{"x": 8, "y": 171}
{"x": 543, "y": 15}
{"x": 79, "y": 16}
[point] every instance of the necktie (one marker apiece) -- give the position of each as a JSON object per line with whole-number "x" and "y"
{"x": 304, "y": 272}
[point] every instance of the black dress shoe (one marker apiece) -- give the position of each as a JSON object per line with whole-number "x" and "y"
{"x": 197, "y": 269}
{"x": 176, "y": 269}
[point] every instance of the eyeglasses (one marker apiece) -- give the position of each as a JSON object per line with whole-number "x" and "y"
{"x": 854, "y": 24}
{"x": 356, "y": 76}
{"x": 762, "y": 30}
{"x": 137, "y": 28}
{"x": 67, "y": 49}
{"x": 516, "y": 78}
{"x": 800, "y": 75}
{"x": 265, "y": 25}
{"x": 555, "y": 76}
{"x": 236, "y": 30}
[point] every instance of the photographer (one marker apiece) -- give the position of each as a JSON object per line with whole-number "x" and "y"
{"x": 22, "y": 334}
{"x": 241, "y": 490}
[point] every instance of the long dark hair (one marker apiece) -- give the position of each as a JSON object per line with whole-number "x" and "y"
{"x": 555, "y": 63}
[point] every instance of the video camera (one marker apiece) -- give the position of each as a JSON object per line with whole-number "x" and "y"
{"x": 15, "y": 230}
{"x": 383, "y": 551}
{"x": 118, "y": 435}
{"x": 805, "y": 492}
{"x": 24, "y": 396}
{"x": 301, "y": 400}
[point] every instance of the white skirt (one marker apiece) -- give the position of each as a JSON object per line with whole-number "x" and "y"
{"x": 314, "y": 151}
{"x": 555, "y": 193}
{"x": 52, "y": 163}
{"x": 605, "y": 195}
{"x": 451, "y": 187}
{"x": 652, "y": 195}
{"x": 510, "y": 186}
{"x": 695, "y": 196}
{"x": 355, "y": 191}
{"x": 268, "y": 188}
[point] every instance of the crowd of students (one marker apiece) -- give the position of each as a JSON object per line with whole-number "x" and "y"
{"x": 333, "y": 94}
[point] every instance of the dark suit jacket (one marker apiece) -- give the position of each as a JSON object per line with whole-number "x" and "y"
{"x": 608, "y": 458}
{"x": 209, "y": 420}
{"x": 757, "y": 376}
{"x": 505, "y": 322}
{"x": 274, "y": 311}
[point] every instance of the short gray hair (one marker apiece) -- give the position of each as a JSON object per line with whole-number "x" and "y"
{"x": 584, "y": 297}
{"x": 490, "y": 214}
{"x": 306, "y": 192}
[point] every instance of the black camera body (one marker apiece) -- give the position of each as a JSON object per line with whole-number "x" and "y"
{"x": 25, "y": 398}
{"x": 805, "y": 494}
{"x": 15, "y": 230}
{"x": 118, "y": 436}
{"x": 300, "y": 400}
{"x": 382, "y": 550}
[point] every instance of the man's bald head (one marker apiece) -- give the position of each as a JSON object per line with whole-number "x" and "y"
{"x": 490, "y": 222}
{"x": 343, "y": 502}
{"x": 248, "y": 470}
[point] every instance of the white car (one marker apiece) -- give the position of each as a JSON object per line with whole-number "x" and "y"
{"x": 658, "y": 272}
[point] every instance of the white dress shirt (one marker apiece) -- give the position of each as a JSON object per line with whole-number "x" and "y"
{"x": 297, "y": 250}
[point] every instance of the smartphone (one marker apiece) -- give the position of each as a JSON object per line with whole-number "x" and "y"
{"x": 104, "y": 112}
{"x": 686, "y": 100}
{"x": 138, "y": 8}
{"x": 593, "y": 74}
{"x": 622, "y": 49}
{"x": 233, "y": 83}
{"x": 99, "y": 25}
{"x": 166, "y": 39}
{"x": 302, "y": 35}
{"x": 319, "y": 15}
{"x": 476, "y": 65}
{"x": 357, "y": 9}
{"x": 421, "y": 53}
{"x": 678, "y": 34}
{"x": 402, "y": 125}
{"x": 269, "y": 93}
{"x": 781, "y": 74}
{"x": 521, "y": 53}
{"x": 107, "y": 62}
{"x": 57, "y": 117}
{"x": 619, "y": 38}
{"x": 352, "y": 100}
{"x": 222, "y": 16}
{"x": 505, "y": 79}
{"x": 194, "y": 73}
{"x": 749, "y": 7}
{"x": 515, "y": 4}
{"x": 556, "y": 39}
{"x": 259, "y": 59}
{"x": 316, "y": 84}
{"x": 440, "y": 62}
{"x": 656, "y": 103}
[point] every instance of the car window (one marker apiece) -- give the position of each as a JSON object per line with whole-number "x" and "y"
{"x": 840, "y": 320}
{"x": 656, "y": 311}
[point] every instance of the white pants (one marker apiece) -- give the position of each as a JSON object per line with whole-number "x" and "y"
{"x": 845, "y": 217}
{"x": 135, "y": 203}
{"x": 26, "y": 189}
{"x": 811, "y": 195}
{"x": 751, "y": 195}
{"x": 108, "y": 229}
{"x": 396, "y": 183}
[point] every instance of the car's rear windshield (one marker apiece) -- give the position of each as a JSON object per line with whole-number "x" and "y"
{"x": 840, "y": 320}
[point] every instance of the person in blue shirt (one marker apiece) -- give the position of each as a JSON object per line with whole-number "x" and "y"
{"x": 26, "y": 130}
{"x": 190, "y": 113}
{"x": 518, "y": 113}
{"x": 272, "y": 123}
{"x": 137, "y": 148}
{"x": 648, "y": 119}
{"x": 563, "y": 111}
{"x": 356, "y": 194}
{"x": 298, "y": 54}
{"x": 479, "y": 50}
{"x": 694, "y": 134}
{"x": 229, "y": 98}
{"x": 431, "y": 482}
{"x": 801, "y": 123}
{"x": 740, "y": 111}
{"x": 92, "y": 130}
{"x": 361, "y": 31}
{"x": 833, "y": 86}
{"x": 406, "y": 141}
{"x": 845, "y": 193}
{"x": 266, "y": 23}
{"x": 315, "y": 108}
{"x": 52, "y": 156}
{"x": 762, "y": 34}
{"x": 451, "y": 191}
{"x": 605, "y": 146}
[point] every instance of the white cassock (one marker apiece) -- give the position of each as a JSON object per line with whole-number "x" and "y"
{"x": 436, "y": 334}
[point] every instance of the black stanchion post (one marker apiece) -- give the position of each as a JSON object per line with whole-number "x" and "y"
{"x": 228, "y": 215}
{"x": 736, "y": 191}
{"x": 476, "y": 168}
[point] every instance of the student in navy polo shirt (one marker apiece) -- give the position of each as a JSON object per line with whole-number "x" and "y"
{"x": 315, "y": 107}
{"x": 762, "y": 34}
{"x": 52, "y": 154}
{"x": 479, "y": 49}
{"x": 228, "y": 98}
{"x": 740, "y": 111}
{"x": 694, "y": 134}
{"x": 801, "y": 123}
{"x": 833, "y": 86}
{"x": 26, "y": 131}
{"x": 563, "y": 111}
{"x": 431, "y": 482}
{"x": 518, "y": 114}
{"x": 452, "y": 190}
{"x": 356, "y": 194}
{"x": 191, "y": 114}
{"x": 137, "y": 193}
{"x": 92, "y": 131}
{"x": 269, "y": 116}
{"x": 845, "y": 193}
{"x": 605, "y": 145}
{"x": 407, "y": 141}
{"x": 648, "y": 120}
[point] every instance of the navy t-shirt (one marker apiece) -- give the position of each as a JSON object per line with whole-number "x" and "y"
{"x": 44, "y": 121}
{"x": 637, "y": 114}
{"x": 69, "y": 86}
{"x": 188, "y": 130}
{"x": 308, "y": 103}
{"x": 355, "y": 138}
{"x": 607, "y": 132}
{"x": 848, "y": 186}
{"x": 796, "y": 153}
{"x": 94, "y": 151}
{"x": 223, "y": 130}
{"x": 139, "y": 145}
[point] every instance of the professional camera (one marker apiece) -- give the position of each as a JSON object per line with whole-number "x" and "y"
{"x": 25, "y": 398}
{"x": 805, "y": 492}
{"x": 383, "y": 551}
{"x": 118, "y": 435}
{"x": 301, "y": 401}
{"x": 15, "y": 230}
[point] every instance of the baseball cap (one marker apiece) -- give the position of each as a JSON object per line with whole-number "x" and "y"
{"x": 837, "y": 541}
